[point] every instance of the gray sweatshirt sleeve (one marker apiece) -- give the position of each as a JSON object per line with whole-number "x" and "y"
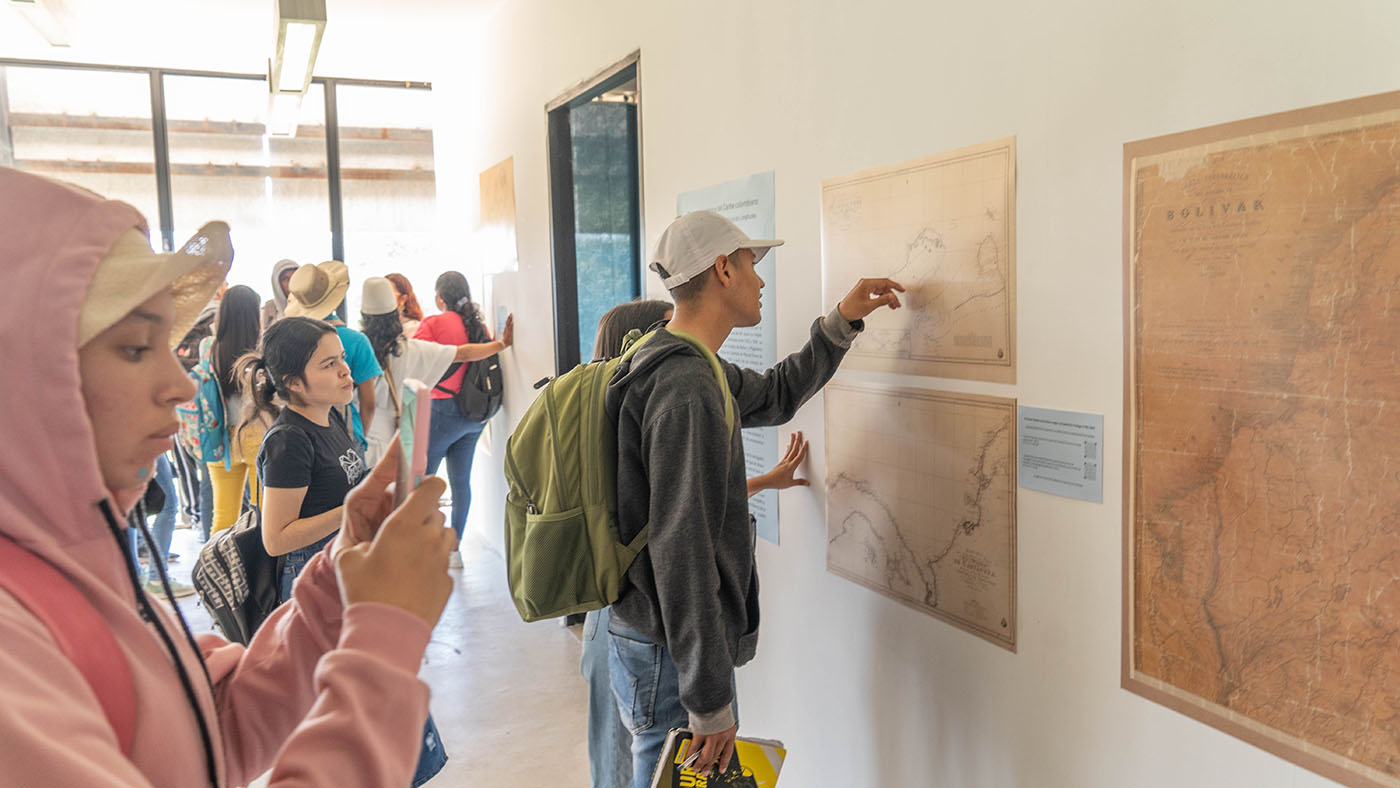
{"x": 771, "y": 398}
{"x": 685, "y": 524}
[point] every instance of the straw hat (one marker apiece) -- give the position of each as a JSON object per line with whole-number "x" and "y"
{"x": 316, "y": 290}
{"x": 130, "y": 273}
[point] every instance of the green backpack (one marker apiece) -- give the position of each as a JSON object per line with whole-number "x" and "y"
{"x": 563, "y": 552}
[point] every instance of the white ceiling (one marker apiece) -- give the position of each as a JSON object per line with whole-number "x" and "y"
{"x": 372, "y": 39}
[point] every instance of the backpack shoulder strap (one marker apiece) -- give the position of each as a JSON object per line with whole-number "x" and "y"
{"x": 715, "y": 366}
{"x": 80, "y": 631}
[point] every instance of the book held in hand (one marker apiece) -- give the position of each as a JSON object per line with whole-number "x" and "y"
{"x": 755, "y": 764}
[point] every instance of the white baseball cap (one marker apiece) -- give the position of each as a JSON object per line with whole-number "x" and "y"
{"x": 690, "y": 245}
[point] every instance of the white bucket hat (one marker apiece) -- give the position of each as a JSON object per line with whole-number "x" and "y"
{"x": 316, "y": 290}
{"x": 692, "y": 242}
{"x": 378, "y": 297}
{"x": 130, "y": 273}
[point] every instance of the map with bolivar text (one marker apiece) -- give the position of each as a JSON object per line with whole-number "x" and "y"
{"x": 1262, "y": 478}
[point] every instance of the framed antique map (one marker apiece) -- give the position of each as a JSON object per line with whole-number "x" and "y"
{"x": 944, "y": 226}
{"x": 1262, "y": 421}
{"x": 921, "y": 501}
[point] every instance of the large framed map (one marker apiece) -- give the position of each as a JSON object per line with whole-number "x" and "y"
{"x": 1262, "y": 455}
{"x": 943, "y": 226}
{"x": 921, "y": 501}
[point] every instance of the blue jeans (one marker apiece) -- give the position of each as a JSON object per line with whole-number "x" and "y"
{"x": 206, "y": 502}
{"x": 163, "y": 529}
{"x": 609, "y": 743}
{"x": 433, "y": 755}
{"x": 295, "y": 561}
{"x": 648, "y": 694}
{"x": 454, "y": 437}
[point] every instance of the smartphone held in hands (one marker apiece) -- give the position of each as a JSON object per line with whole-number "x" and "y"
{"x": 414, "y": 421}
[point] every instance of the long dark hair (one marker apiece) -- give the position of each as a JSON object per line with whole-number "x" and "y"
{"x": 456, "y": 296}
{"x": 235, "y": 333}
{"x": 613, "y": 326}
{"x": 286, "y": 348}
{"x": 385, "y": 333}
{"x": 411, "y": 309}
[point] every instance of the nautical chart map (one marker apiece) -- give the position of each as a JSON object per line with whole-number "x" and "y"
{"x": 1263, "y": 432}
{"x": 921, "y": 501}
{"x": 944, "y": 227}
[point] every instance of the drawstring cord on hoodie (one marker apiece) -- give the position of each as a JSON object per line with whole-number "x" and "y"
{"x": 149, "y": 615}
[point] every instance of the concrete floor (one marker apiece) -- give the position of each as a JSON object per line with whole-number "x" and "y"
{"x": 507, "y": 695}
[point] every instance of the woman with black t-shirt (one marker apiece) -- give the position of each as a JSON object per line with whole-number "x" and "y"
{"x": 308, "y": 461}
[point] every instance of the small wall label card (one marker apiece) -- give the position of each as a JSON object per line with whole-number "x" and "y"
{"x": 1061, "y": 453}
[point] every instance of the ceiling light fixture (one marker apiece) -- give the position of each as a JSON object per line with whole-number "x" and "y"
{"x": 300, "y": 24}
{"x": 49, "y": 17}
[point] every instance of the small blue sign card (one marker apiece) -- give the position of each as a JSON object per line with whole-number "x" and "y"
{"x": 1061, "y": 453}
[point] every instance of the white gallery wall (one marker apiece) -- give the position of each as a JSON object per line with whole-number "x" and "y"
{"x": 867, "y": 692}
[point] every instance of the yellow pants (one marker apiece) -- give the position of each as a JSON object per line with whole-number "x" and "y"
{"x": 228, "y": 483}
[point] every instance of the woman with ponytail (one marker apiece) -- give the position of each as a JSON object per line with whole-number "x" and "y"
{"x": 453, "y": 436}
{"x": 104, "y": 683}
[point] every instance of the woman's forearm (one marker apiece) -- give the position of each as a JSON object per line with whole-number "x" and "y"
{"x": 478, "y": 351}
{"x": 301, "y": 532}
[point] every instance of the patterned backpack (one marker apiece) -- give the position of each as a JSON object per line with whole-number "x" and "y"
{"x": 203, "y": 428}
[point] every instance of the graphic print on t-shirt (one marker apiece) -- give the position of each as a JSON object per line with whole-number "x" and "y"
{"x": 353, "y": 465}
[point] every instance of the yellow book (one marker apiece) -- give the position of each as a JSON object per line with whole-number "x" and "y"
{"x": 755, "y": 764}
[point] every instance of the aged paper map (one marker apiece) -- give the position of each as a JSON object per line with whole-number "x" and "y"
{"x": 945, "y": 227}
{"x": 1262, "y": 478}
{"x": 921, "y": 501}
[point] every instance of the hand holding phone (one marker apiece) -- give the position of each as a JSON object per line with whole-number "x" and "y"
{"x": 414, "y": 421}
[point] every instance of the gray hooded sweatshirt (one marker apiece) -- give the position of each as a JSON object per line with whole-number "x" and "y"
{"x": 694, "y": 588}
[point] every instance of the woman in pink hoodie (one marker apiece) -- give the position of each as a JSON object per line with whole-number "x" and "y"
{"x": 326, "y": 694}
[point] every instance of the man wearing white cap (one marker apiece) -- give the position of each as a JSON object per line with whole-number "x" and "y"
{"x": 689, "y": 615}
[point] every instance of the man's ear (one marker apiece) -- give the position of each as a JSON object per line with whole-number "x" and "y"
{"x": 724, "y": 270}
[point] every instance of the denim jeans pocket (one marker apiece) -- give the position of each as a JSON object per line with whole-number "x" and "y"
{"x": 634, "y": 671}
{"x": 292, "y": 564}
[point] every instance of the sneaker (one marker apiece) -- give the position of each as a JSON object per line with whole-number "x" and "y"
{"x": 455, "y": 560}
{"x": 180, "y": 590}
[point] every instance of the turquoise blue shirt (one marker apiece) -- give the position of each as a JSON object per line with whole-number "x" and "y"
{"x": 359, "y": 356}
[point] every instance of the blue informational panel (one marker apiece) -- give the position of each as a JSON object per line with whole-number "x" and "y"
{"x": 1061, "y": 453}
{"x": 748, "y": 202}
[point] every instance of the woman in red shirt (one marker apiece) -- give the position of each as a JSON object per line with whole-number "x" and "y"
{"x": 452, "y": 435}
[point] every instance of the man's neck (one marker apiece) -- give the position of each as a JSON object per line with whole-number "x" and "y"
{"x": 705, "y": 325}
{"x": 316, "y": 414}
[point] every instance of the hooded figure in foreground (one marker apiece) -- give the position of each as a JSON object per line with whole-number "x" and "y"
{"x": 88, "y": 322}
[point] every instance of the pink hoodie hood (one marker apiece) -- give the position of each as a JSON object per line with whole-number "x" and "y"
{"x": 54, "y": 237}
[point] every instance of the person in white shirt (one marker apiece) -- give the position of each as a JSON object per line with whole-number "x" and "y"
{"x": 403, "y": 358}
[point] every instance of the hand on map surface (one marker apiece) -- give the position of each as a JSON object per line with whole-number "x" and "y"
{"x": 869, "y": 295}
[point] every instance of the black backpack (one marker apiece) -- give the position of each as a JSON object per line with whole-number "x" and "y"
{"x": 483, "y": 387}
{"x": 236, "y": 579}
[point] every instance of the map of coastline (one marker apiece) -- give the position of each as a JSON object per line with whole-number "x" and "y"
{"x": 921, "y": 502}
